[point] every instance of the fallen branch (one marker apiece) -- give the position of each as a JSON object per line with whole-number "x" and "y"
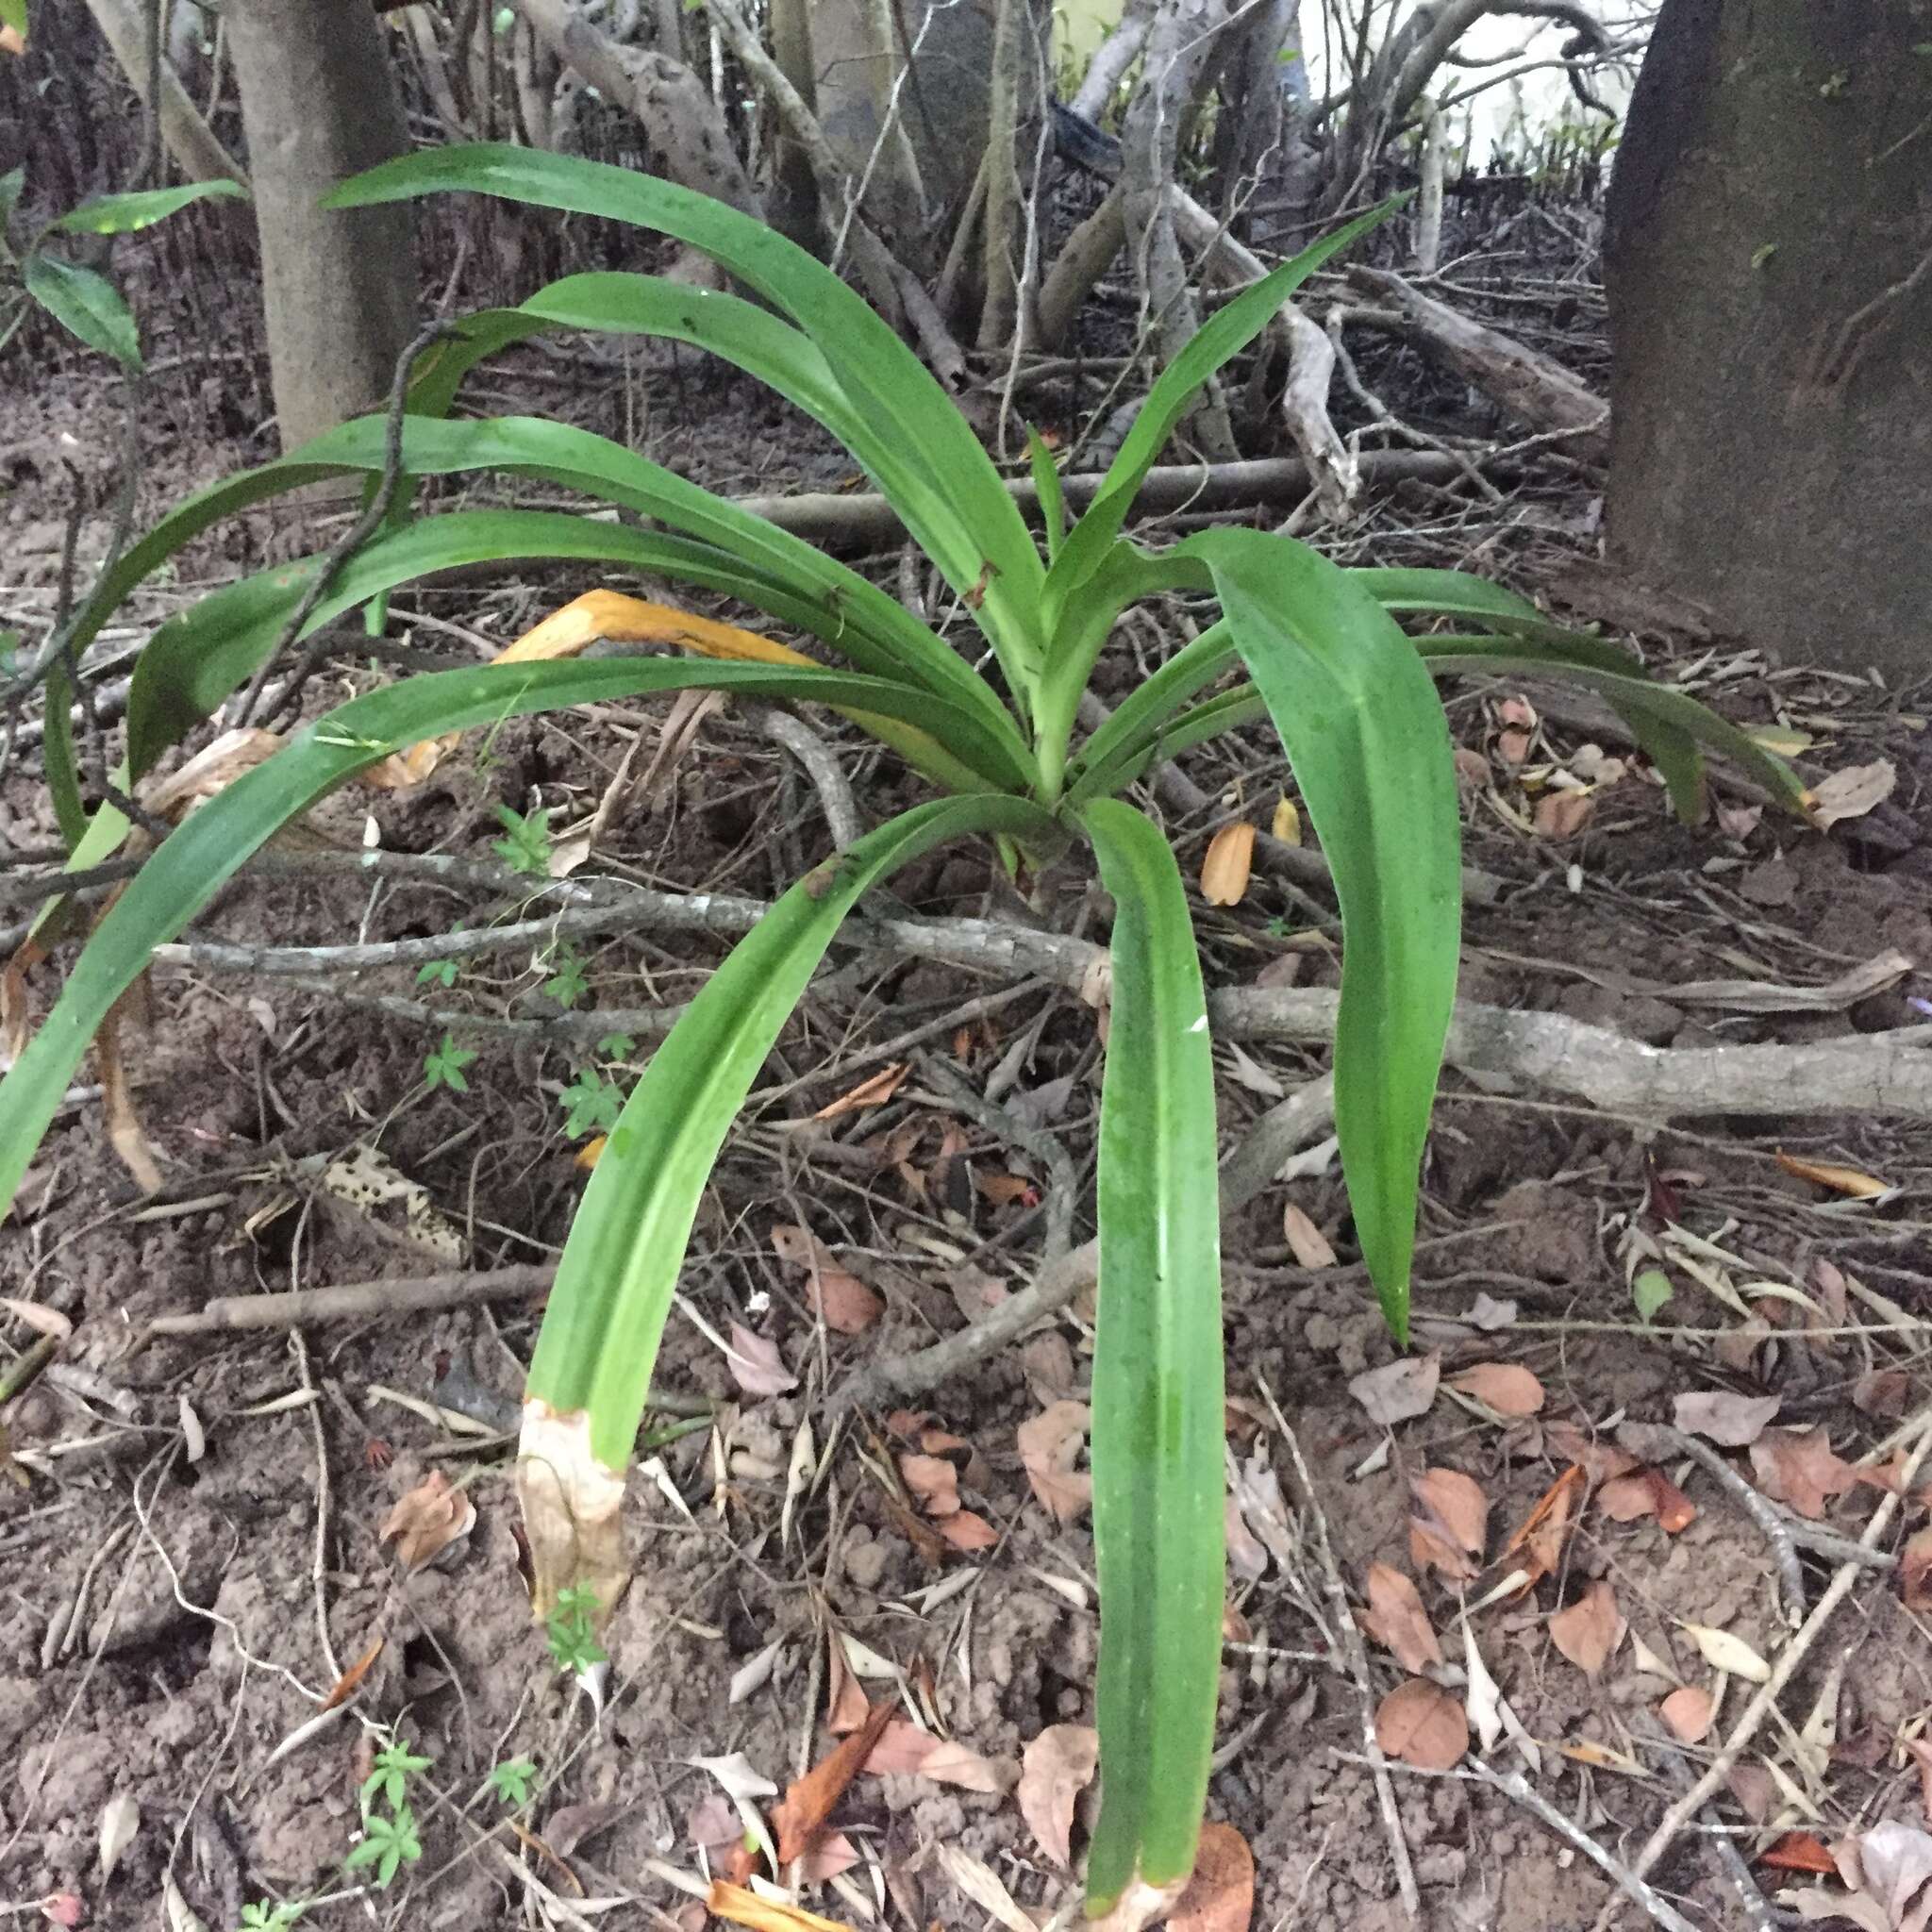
{"x": 358, "y": 1301}
{"x": 1533, "y": 388}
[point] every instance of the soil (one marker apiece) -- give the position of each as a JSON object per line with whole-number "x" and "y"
{"x": 183, "y": 1592}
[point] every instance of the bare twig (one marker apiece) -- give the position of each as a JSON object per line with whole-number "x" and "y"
{"x": 820, "y": 766}
{"x": 358, "y": 1301}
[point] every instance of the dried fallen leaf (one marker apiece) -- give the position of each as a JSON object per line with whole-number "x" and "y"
{"x": 1799, "y": 1851}
{"x": 1225, "y": 869}
{"x": 1450, "y": 1523}
{"x": 874, "y": 1092}
{"x": 932, "y": 1482}
{"x": 1882, "y": 1393}
{"x": 1589, "y": 1630}
{"x": 1054, "y": 1768}
{"x": 1399, "y": 1389}
{"x": 901, "y": 1746}
{"x": 1840, "y": 1180}
{"x": 70, "y": 1908}
{"x": 982, "y": 1885}
{"x": 1688, "y": 1711}
{"x": 120, "y": 1821}
{"x": 748, "y": 1908}
{"x": 1421, "y": 1723}
{"x": 1895, "y": 1861}
{"x": 1306, "y": 1242}
{"x": 951, "y": 1763}
{"x": 1797, "y": 1467}
{"x": 1220, "y": 1895}
{"x": 756, "y": 1365}
{"x": 350, "y": 1681}
{"x": 1563, "y": 814}
{"x": 1050, "y": 1445}
{"x": 1286, "y": 823}
{"x": 1676, "y": 1512}
{"x": 1397, "y": 1620}
{"x": 1915, "y": 1569}
{"x": 1546, "y": 1528}
{"x": 967, "y": 1530}
{"x": 1627, "y": 1498}
{"x": 1504, "y": 1387}
{"x": 801, "y": 1814}
{"x": 426, "y": 1520}
{"x": 1723, "y": 1652}
{"x": 846, "y": 1303}
{"x": 1725, "y": 1417}
{"x": 1851, "y": 793}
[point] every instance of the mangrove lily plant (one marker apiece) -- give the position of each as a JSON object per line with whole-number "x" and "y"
{"x": 1316, "y": 649}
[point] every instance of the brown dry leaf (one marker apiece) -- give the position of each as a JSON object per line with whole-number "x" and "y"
{"x": 1054, "y": 1768}
{"x": 210, "y": 771}
{"x": 1501, "y": 1386}
{"x": 125, "y": 1133}
{"x": 1452, "y": 1517}
{"x": 1306, "y": 1242}
{"x": 902, "y": 1746}
{"x": 1399, "y": 1389}
{"x": 1006, "y": 1189}
{"x": 1588, "y": 1632}
{"x": 933, "y": 1483}
{"x": 845, "y": 1301}
{"x": 1421, "y": 1723}
{"x": 1546, "y": 1528}
{"x": 1882, "y": 1393}
{"x": 1246, "y": 1558}
{"x": 800, "y": 1815}
{"x": 1723, "y": 1416}
{"x": 951, "y": 1763}
{"x": 1627, "y": 1498}
{"x": 1601, "y": 1458}
{"x": 1512, "y": 744}
{"x": 351, "y": 1681}
{"x": 1915, "y": 1569}
{"x": 1852, "y": 792}
{"x": 873, "y": 1092}
{"x": 1397, "y": 1620}
{"x": 1286, "y": 823}
{"x": 846, "y": 1708}
{"x": 966, "y": 1530}
{"x": 756, "y": 1365}
{"x": 1220, "y": 1895}
{"x": 426, "y": 1520}
{"x": 1676, "y": 1512}
{"x": 739, "y": 1906}
{"x": 1796, "y": 1467}
{"x": 1689, "y": 1712}
{"x": 1563, "y": 814}
{"x": 1230, "y": 858}
{"x": 1472, "y": 767}
{"x": 1050, "y": 1445}
{"x": 590, "y": 1152}
{"x": 712, "y": 1824}
{"x": 1840, "y": 1180}
{"x": 833, "y": 1854}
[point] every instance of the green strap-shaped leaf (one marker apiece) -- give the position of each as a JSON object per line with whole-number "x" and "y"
{"x": 933, "y": 440}
{"x": 1668, "y": 724}
{"x": 1369, "y": 746}
{"x": 1046, "y": 484}
{"x": 626, "y": 1246}
{"x": 202, "y": 655}
{"x": 85, "y": 305}
{"x": 1126, "y": 738}
{"x": 122, "y": 214}
{"x": 1158, "y": 1417}
{"x": 1223, "y": 336}
{"x": 192, "y": 863}
{"x": 1450, "y": 593}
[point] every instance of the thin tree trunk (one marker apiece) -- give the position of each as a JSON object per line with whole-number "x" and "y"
{"x": 189, "y": 138}
{"x": 1002, "y": 221}
{"x": 1112, "y": 59}
{"x": 339, "y": 285}
{"x": 795, "y": 194}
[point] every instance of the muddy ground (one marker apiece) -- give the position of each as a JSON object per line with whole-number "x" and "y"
{"x": 191, "y": 1529}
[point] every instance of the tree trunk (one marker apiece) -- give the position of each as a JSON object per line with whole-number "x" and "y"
{"x": 1769, "y": 264}
{"x": 318, "y": 103}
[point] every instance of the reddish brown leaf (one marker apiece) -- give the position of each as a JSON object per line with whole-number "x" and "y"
{"x": 1589, "y": 1630}
{"x": 756, "y": 1365}
{"x": 1054, "y": 1768}
{"x": 1450, "y": 1523}
{"x": 800, "y": 1815}
{"x": 64, "y": 1908}
{"x": 1050, "y": 1445}
{"x": 1840, "y": 1180}
{"x": 1689, "y": 1712}
{"x": 1006, "y": 1189}
{"x": 1797, "y": 1467}
{"x": 1798, "y": 1851}
{"x": 1883, "y": 1392}
{"x": 1546, "y": 1528}
{"x": 951, "y": 1763}
{"x": 845, "y": 1301}
{"x": 1601, "y": 1460}
{"x": 1422, "y": 1725}
{"x": 1674, "y": 1510}
{"x": 901, "y": 1746}
{"x": 1307, "y": 1242}
{"x": 873, "y": 1092}
{"x": 1397, "y": 1620}
{"x": 426, "y": 1520}
{"x": 1915, "y": 1569}
{"x": 845, "y": 1702}
{"x": 1625, "y": 1498}
{"x": 932, "y": 1482}
{"x": 1220, "y": 1895}
{"x": 1563, "y": 814}
{"x": 965, "y": 1529}
{"x": 351, "y": 1681}
{"x": 1504, "y": 1387}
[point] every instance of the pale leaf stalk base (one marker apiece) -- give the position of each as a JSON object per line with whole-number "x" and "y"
{"x": 573, "y": 1511}
{"x": 1141, "y": 1905}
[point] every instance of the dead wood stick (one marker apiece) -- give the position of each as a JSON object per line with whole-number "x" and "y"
{"x": 1533, "y": 388}
{"x": 1793, "y": 1654}
{"x": 824, "y": 516}
{"x": 360, "y": 1301}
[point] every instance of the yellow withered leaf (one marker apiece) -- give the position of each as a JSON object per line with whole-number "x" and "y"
{"x": 1288, "y": 822}
{"x": 1226, "y": 869}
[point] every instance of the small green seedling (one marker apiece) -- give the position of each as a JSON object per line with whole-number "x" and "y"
{"x": 444, "y": 1067}
{"x": 387, "y": 1843}
{"x": 513, "y": 1782}
{"x": 527, "y": 846}
{"x": 591, "y": 1104}
{"x": 567, "y": 985}
{"x": 395, "y": 1765}
{"x": 572, "y": 1628}
{"x": 263, "y": 1916}
{"x": 441, "y": 973}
